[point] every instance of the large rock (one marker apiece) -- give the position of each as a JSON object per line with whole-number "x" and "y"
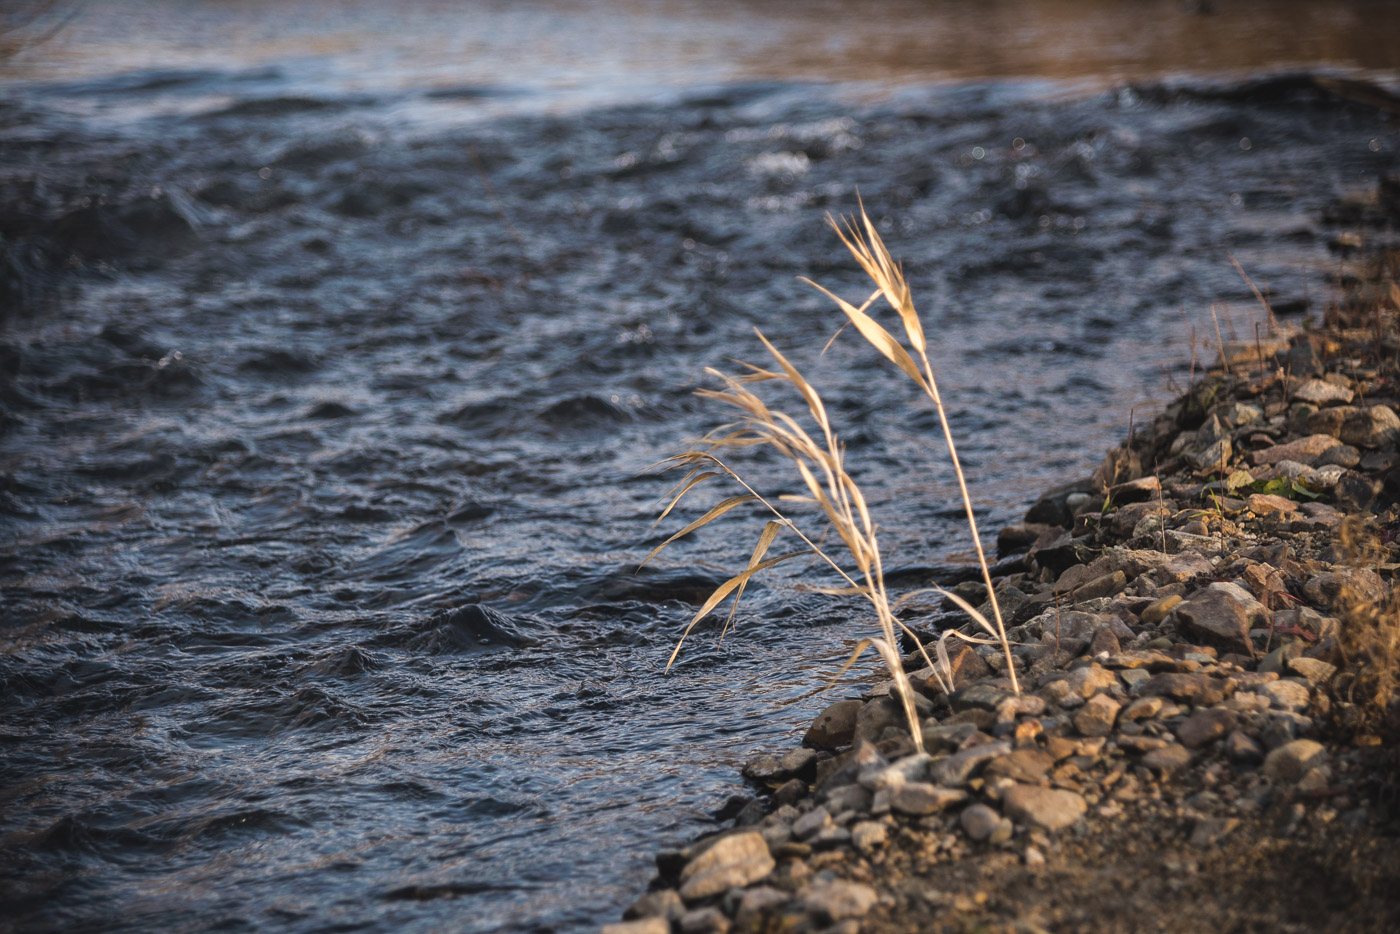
{"x": 1303, "y": 450}
{"x": 1372, "y": 426}
{"x": 1205, "y": 726}
{"x": 734, "y": 861}
{"x": 835, "y": 726}
{"x": 1221, "y": 615}
{"x": 1042, "y": 808}
{"x": 837, "y": 899}
{"x": 1319, "y": 392}
{"x": 1291, "y": 761}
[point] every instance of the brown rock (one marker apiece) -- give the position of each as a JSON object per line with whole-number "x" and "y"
{"x": 1205, "y": 726}
{"x": 1027, "y": 765}
{"x": 923, "y": 798}
{"x": 835, "y": 726}
{"x": 1319, "y": 392}
{"x": 1042, "y": 808}
{"x": 1104, "y": 642}
{"x": 1157, "y": 610}
{"x": 1304, "y": 450}
{"x": 1167, "y": 759}
{"x": 967, "y": 667}
{"x": 1267, "y": 504}
{"x": 736, "y": 860}
{"x": 1358, "y": 584}
{"x": 1097, "y": 716}
{"x": 1200, "y": 690}
{"x": 1221, "y": 615}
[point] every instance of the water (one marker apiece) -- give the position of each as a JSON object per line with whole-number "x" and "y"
{"x": 314, "y": 347}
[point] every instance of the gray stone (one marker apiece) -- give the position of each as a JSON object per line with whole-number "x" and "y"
{"x": 1200, "y": 690}
{"x": 1315, "y": 670}
{"x": 1214, "y": 457}
{"x": 1320, "y": 392}
{"x": 756, "y": 902}
{"x": 1091, "y": 680}
{"x": 919, "y": 798}
{"x": 876, "y": 715}
{"x": 813, "y": 822}
{"x": 1303, "y": 450}
{"x": 1291, "y": 761}
{"x": 958, "y": 768}
{"x": 1097, "y": 716}
{"x": 847, "y": 798}
{"x": 704, "y": 921}
{"x": 1028, "y": 765}
{"x": 1239, "y": 747}
{"x": 1371, "y": 427}
{"x": 763, "y": 768}
{"x": 909, "y": 769}
{"x": 1221, "y": 615}
{"x": 1286, "y": 694}
{"x": 1355, "y": 583}
{"x": 799, "y": 760}
{"x": 1042, "y": 808}
{"x": 837, "y": 899}
{"x": 736, "y": 860}
{"x": 835, "y": 726}
{"x": 979, "y": 821}
{"x": 665, "y": 903}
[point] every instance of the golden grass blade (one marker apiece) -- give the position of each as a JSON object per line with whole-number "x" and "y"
{"x": 943, "y": 671}
{"x": 809, "y": 395}
{"x": 765, "y": 539}
{"x": 710, "y": 516}
{"x": 722, "y": 591}
{"x": 688, "y": 483}
{"x": 875, "y": 333}
{"x": 861, "y": 646}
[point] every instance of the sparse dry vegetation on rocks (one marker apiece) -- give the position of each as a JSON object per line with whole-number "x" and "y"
{"x": 1207, "y": 631}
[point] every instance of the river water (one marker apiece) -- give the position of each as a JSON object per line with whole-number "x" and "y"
{"x": 334, "y": 349}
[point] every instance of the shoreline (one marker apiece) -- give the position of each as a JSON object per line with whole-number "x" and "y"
{"x": 1205, "y": 630}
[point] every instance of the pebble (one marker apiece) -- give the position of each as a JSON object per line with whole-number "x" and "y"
{"x": 869, "y": 834}
{"x": 979, "y": 821}
{"x": 1043, "y": 808}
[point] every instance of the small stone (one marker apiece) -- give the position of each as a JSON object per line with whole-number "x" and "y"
{"x": 1104, "y": 586}
{"x": 1043, "y": 808}
{"x": 979, "y": 821}
{"x": 1241, "y": 748}
{"x": 1034, "y": 858}
{"x": 1157, "y": 610}
{"x": 1205, "y": 726}
{"x": 1286, "y": 695}
{"x": 1167, "y": 759}
{"x": 1211, "y": 830}
{"x": 837, "y": 899}
{"x": 1314, "y": 669}
{"x": 1091, "y": 680}
{"x": 847, "y": 798}
{"x": 643, "y": 926}
{"x": 1097, "y": 716}
{"x": 958, "y": 768}
{"x": 1267, "y": 504}
{"x": 1221, "y": 615}
{"x": 1291, "y": 761}
{"x": 920, "y": 798}
{"x": 1320, "y": 392}
{"x": 868, "y": 834}
{"x": 979, "y": 696}
{"x": 704, "y": 921}
{"x": 1144, "y": 708}
{"x": 736, "y": 860}
{"x": 835, "y": 726}
{"x": 665, "y": 903}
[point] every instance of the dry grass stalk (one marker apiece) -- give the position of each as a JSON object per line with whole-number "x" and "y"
{"x": 820, "y": 461}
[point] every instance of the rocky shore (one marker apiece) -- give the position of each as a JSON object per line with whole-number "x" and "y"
{"x": 1206, "y": 634}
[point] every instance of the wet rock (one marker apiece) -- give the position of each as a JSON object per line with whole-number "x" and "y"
{"x": 800, "y": 761}
{"x": 1289, "y": 762}
{"x": 736, "y": 860}
{"x": 1097, "y": 716}
{"x": 919, "y": 798}
{"x": 665, "y": 903}
{"x": 979, "y": 821}
{"x": 708, "y": 920}
{"x": 837, "y": 899}
{"x": 1167, "y": 759}
{"x": 835, "y": 726}
{"x": 1205, "y": 726}
{"x": 961, "y": 766}
{"x": 1043, "y": 808}
{"x": 1221, "y": 615}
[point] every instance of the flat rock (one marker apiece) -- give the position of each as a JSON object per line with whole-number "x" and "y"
{"x": 1028, "y": 765}
{"x": 837, "y": 899}
{"x": 956, "y": 769}
{"x": 1091, "y": 680}
{"x": 909, "y": 769}
{"x": 1200, "y": 690}
{"x": 921, "y": 798}
{"x": 1285, "y": 694}
{"x": 1220, "y": 617}
{"x": 641, "y": 926}
{"x": 1314, "y": 669}
{"x": 1167, "y": 759}
{"x": 1267, "y": 504}
{"x": 1043, "y": 808}
{"x": 1304, "y": 450}
{"x": 734, "y": 861}
{"x": 1291, "y": 761}
{"x": 1319, "y": 392}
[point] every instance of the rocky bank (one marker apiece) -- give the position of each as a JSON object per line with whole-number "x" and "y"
{"x": 1205, "y": 634}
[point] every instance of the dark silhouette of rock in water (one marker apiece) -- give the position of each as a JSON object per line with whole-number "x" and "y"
{"x": 472, "y": 628}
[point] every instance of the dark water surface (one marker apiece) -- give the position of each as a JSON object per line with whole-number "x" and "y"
{"x": 323, "y": 415}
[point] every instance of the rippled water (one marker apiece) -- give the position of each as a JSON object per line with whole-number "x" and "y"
{"x": 323, "y": 423}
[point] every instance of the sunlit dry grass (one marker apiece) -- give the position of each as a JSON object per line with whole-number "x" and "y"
{"x": 818, "y": 456}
